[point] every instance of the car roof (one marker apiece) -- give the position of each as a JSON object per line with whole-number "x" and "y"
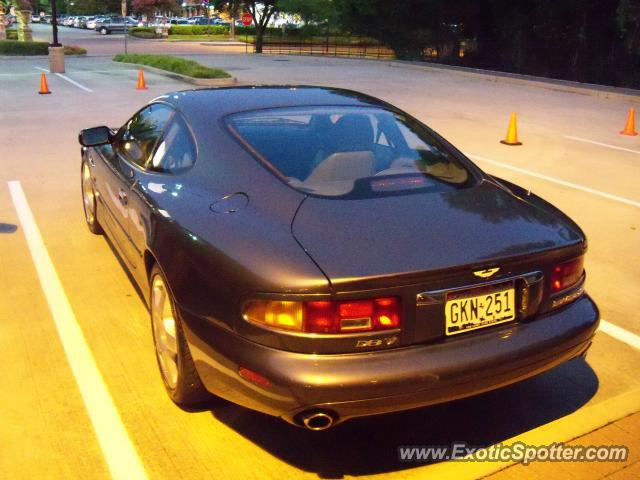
{"x": 207, "y": 104}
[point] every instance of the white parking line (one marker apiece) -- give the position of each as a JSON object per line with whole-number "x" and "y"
{"x": 614, "y": 147}
{"x": 119, "y": 452}
{"x": 64, "y": 77}
{"x": 620, "y": 334}
{"x": 564, "y": 183}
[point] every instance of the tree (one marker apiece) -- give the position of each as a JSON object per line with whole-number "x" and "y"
{"x": 150, "y": 7}
{"x": 311, "y": 11}
{"x": 232, "y": 8}
{"x": 261, "y": 12}
{"x": 407, "y": 26}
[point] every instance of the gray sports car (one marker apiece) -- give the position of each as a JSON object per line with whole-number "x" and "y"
{"x": 317, "y": 254}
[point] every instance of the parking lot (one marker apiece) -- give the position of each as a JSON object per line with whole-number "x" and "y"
{"x": 572, "y": 155}
{"x": 98, "y": 45}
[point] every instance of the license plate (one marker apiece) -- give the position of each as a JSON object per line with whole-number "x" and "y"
{"x": 471, "y": 310}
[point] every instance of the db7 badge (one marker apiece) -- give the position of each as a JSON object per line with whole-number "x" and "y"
{"x": 377, "y": 342}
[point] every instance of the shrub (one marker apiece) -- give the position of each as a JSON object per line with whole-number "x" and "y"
{"x": 74, "y": 50}
{"x": 199, "y": 30}
{"x": 143, "y": 32}
{"x": 13, "y": 47}
{"x": 173, "y": 64}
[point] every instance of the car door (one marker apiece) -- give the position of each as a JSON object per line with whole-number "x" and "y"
{"x": 130, "y": 151}
{"x": 161, "y": 177}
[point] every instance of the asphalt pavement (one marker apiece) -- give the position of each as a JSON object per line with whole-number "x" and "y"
{"x": 572, "y": 155}
{"x": 98, "y": 45}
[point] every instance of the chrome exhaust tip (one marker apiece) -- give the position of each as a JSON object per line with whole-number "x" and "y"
{"x": 318, "y": 420}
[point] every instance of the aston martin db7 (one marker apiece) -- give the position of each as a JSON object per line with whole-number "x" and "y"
{"x": 317, "y": 254}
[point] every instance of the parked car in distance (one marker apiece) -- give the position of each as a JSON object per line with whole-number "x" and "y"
{"x": 36, "y": 18}
{"x": 84, "y": 21}
{"x": 91, "y": 24}
{"x": 317, "y": 254}
{"x": 115, "y": 25}
{"x": 205, "y": 21}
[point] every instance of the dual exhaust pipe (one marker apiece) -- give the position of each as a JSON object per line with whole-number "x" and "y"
{"x": 318, "y": 420}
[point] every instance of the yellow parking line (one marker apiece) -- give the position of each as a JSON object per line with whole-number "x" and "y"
{"x": 564, "y": 429}
{"x": 119, "y": 452}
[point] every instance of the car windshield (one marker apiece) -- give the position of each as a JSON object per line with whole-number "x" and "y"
{"x": 350, "y": 151}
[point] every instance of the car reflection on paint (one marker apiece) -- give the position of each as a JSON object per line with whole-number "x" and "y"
{"x": 317, "y": 254}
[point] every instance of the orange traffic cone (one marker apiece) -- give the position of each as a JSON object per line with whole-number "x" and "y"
{"x": 44, "y": 88}
{"x": 630, "y": 127}
{"x": 512, "y": 132}
{"x": 141, "y": 83}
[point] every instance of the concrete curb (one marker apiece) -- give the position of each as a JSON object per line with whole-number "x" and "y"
{"x": 594, "y": 90}
{"x": 201, "y": 82}
{"x": 216, "y": 44}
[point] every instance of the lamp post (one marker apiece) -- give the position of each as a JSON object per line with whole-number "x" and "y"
{"x": 56, "y": 50}
{"x": 123, "y": 7}
{"x": 54, "y": 23}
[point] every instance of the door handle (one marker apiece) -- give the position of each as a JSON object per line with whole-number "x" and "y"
{"x": 123, "y": 197}
{"x": 92, "y": 161}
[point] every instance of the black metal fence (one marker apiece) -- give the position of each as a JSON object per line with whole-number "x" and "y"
{"x": 329, "y": 46}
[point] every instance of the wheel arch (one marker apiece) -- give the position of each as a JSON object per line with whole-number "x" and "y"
{"x": 149, "y": 261}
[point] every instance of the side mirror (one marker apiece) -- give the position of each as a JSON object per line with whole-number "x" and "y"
{"x": 92, "y": 137}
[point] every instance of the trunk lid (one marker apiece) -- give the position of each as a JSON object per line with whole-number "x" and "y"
{"x": 356, "y": 242}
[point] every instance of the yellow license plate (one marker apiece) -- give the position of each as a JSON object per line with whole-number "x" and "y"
{"x": 465, "y": 313}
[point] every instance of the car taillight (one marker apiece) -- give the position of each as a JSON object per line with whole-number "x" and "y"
{"x": 326, "y": 316}
{"x": 566, "y": 274}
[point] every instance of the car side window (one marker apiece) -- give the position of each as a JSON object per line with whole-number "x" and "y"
{"x": 139, "y": 136}
{"x": 176, "y": 151}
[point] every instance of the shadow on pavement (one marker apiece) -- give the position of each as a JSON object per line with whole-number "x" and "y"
{"x": 8, "y": 227}
{"x": 370, "y": 445}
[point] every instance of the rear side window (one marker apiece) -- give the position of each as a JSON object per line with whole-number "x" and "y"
{"x": 139, "y": 136}
{"x": 176, "y": 151}
{"x": 350, "y": 151}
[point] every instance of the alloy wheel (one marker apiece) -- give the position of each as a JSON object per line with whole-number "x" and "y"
{"x": 88, "y": 195}
{"x": 164, "y": 331}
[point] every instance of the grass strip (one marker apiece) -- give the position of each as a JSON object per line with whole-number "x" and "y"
{"x": 173, "y": 64}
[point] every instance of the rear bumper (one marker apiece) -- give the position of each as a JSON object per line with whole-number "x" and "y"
{"x": 372, "y": 383}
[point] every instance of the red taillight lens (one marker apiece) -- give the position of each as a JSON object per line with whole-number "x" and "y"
{"x": 326, "y": 316}
{"x": 320, "y": 317}
{"x": 352, "y": 316}
{"x": 566, "y": 274}
{"x": 386, "y": 313}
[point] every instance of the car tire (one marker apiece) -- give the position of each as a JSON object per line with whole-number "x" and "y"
{"x": 103, "y": 31}
{"x": 89, "y": 203}
{"x": 177, "y": 369}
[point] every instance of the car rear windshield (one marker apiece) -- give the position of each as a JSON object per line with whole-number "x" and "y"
{"x": 350, "y": 151}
